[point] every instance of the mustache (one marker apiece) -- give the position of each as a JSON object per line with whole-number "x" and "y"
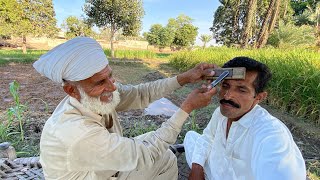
{"x": 224, "y": 101}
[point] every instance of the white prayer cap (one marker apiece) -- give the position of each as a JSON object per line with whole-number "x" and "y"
{"x": 74, "y": 60}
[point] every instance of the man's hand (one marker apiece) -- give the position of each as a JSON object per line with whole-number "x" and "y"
{"x": 198, "y": 98}
{"x": 196, "y": 74}
{"x": 197, "y": 172}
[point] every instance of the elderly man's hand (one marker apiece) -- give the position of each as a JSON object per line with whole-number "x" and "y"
{"x": 198, "y": 98}
{"x": 196, "y": 74}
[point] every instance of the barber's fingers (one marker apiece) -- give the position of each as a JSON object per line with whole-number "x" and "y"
{"x": 207, "y": 90}
{"x": 207, "y": 65}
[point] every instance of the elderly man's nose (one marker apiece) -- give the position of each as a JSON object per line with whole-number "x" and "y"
{"x": 110, "y": 86}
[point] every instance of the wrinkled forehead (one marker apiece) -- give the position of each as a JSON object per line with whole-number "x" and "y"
{"x": 103, "y": 74}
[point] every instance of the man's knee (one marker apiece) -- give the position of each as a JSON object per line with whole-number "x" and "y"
{"x": 190, "y": 138}
{"x": 170, "y": 157}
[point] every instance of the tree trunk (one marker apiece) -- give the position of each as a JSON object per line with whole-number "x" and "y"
{"x": 264, "y": 28}
{"x": 24, "y": 44}
{"x": 112, "y": 40}
{"x": 274, "y": 17}
{"x": 285, "y": 9}
{"x": 247, "y": 32}
{"x": 236, "y": 20}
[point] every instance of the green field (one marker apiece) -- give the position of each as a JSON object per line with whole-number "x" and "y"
{"x": 296, "y": 73}
{"x": 295, "y": 87}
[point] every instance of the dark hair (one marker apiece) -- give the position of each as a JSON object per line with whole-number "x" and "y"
{"x": 264, "y": 74}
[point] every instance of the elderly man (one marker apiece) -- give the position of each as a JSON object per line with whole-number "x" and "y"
{"x": 242, "y": 140}
{"x": 83, "y": 137}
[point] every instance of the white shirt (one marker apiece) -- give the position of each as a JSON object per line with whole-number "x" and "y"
{"x": 259, "y": 146}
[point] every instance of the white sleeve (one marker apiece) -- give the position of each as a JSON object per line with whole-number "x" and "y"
{"x": 204, "y": 142}
{"x": 276, "y": 156}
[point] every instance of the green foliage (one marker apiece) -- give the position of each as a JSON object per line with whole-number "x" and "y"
{"x": 291, "y": 36}
{"x": 28, "y": 17}
{"x": 193, "y": 125}
{"x": 11, "y": 127}
{"x": 159, "y": 36}
{"x": 121, "y": 14}
{"x": 299, "y": 6}
{"x": 178, "y": 32}
{"x": 229, "y": 22}
{"x": 76, "y": 27}
{"x": 8, "y": 17}
{"x": 184, "y": 31}
{"x": 117, "y": 15}
{"x": 296, "y": 75}
{"x": 309, "y": 16}
{"x": 223, "y": 25}
{"x": 185, "y": 36}
{"x": 15, "y": 112}
{"x": 139, "y": 128}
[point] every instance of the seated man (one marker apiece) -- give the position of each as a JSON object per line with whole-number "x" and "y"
{"x": 83, "y": 138}
{"x": 242, "y": 140}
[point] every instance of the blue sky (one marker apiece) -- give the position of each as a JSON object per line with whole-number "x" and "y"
{"x": 156, "y": 11}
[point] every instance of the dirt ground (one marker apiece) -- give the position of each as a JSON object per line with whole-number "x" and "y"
{"x": 42, "y": 96}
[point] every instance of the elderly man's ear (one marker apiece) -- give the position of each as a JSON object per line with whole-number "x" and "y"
{"x": 72, "y": 91}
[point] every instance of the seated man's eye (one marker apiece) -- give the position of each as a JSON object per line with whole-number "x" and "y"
{"x": 242, "y": 90}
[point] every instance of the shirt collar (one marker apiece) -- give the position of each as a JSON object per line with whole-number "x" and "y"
{"x": 247, "y": 120}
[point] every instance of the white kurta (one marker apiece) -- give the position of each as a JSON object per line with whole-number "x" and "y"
{"x": 75, "y": 143}
{"x": 259, "y": 146}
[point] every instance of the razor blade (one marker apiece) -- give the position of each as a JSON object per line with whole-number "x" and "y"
{"x": 220, "y": 78}
{"x": 234, "y": 73}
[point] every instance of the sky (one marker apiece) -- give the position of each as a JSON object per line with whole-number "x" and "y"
{"x": 156, "y": 12}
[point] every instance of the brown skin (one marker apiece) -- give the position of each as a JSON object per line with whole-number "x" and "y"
{"x": 94, "y": 86}
{"x": 241, "y": 93}
{"x": 103, "y": 82}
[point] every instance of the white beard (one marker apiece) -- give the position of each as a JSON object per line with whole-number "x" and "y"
{"x": 95, "y": 105}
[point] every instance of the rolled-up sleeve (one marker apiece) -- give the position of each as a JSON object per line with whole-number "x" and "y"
{"x": 140, "y": 96}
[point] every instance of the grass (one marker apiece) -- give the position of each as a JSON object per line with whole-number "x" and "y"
{"x": 13, "y": 123}
{"x": 16, "y": 56}
{"x": 296, "y": 75}
{"x": 131, "y": 54}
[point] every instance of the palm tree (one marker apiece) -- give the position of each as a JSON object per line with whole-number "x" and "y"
{"x": 205, "y": 38}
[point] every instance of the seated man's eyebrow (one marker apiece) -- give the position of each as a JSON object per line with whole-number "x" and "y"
{"x": 243, "y": 87}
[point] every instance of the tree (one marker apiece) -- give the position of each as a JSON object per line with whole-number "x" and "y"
{"x": 178, "y": 32}
{"x": 159, "y": 36}
{"x": 184, "y": 32}
{"x": 8, "y": 17}
{"x": 248, "y": 22}
{"x": 222, "y": 28}
{"x": 117, "y": 15}
{"x": 205, "y": 38}
{"x": 185, "y": 36}
{"x": 33, "y": 18}
{"x": 289, "y": 36}
{"x": 76, "y": 27}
